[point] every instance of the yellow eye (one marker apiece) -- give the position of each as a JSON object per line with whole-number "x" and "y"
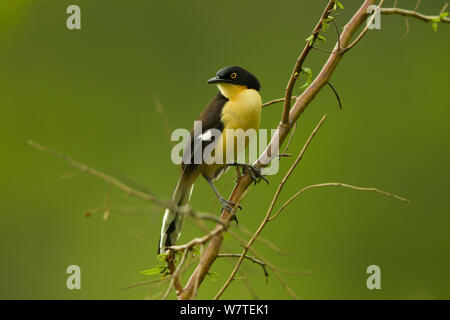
{"x": 233, "y": 75}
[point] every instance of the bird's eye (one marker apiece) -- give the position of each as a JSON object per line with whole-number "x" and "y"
{"x": 233, "y": 75}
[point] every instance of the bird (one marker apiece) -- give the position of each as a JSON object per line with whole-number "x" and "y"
{"x": 237, "y": 105}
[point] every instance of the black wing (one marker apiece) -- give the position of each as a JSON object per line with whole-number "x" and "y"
{"x": 210, "y": 119}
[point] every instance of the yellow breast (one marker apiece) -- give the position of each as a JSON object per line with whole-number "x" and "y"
{"x": 243, "y": 110}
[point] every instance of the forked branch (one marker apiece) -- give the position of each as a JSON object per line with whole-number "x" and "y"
{"x": 281, "y": 134}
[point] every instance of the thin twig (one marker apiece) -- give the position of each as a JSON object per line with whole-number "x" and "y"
{"x": 205, "y": 216}
{"x": 268, "y": 103}
{"x": 156, "y": 281}
{"x": 269, "y": 264}
{"x": 276, "y": 270}
{"x": 250, "y": 289}
{"x": 160, "y": 110}
{"x": 335, "y": 184}
{"x": 143, "y": 283}
{"x": 265, "y": 241}
{"x": 336, "y": 94}
{"x": 196, "y": 241}
{"x": 127, "y": 189}
{"x": 252, "y": 259}
{"x": 338, "y": 36}
{"x": 417, "y": 5}
{"x": 288, "y": 144}
{"x": 443, "y": 8}
{"x": 406, "y": 28}
{"x": 285, "y": 285}
{"x": 186, "y": 210}
{"x": 338, "y": 42}
{"x": 325, "y": 50}
{"x": 174, "y": 276}
{"x": 299, "y": 63}
{"x": 412, "y": 13}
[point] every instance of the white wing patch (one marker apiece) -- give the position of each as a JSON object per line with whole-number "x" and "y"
{"x": 206, "y": 136}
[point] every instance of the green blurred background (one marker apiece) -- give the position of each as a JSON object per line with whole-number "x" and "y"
{"x": 91, "y": 94}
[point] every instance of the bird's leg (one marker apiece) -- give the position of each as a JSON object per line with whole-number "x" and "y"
{"x": 227, "y": 205}
{"x": 253, "y": 171}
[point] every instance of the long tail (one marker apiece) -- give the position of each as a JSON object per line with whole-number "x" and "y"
{"x": 172, "y": 221}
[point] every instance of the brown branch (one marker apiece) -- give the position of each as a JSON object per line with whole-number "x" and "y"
{"x": 276, "y": 270}
{"x": 363, "y": 32}
{"x": 302, "y": 102}
{"x": 175, "y": 280}
{"x": 269, "y": 211}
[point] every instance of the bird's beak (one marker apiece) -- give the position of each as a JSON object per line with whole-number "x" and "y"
{"x": 214, "y": 80}
{"x": 217, "y": 79}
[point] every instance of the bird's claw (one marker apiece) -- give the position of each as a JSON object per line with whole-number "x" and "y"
{"x": 234, "y": 218}
{"x": 255, "y": 173}
{"x": 229, "y": 206}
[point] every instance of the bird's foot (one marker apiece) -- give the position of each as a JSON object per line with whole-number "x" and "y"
{"x": 229, "y": 206}
{"x": 253, "y": 171}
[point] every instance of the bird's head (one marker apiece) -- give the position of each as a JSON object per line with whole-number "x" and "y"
{"x": 236, "y": 76}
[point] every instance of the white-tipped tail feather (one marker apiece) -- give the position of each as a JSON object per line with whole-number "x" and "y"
{"x": 173, "y": 221}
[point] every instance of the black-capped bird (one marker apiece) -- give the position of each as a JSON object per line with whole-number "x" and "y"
{"x": 237, "y": 105}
